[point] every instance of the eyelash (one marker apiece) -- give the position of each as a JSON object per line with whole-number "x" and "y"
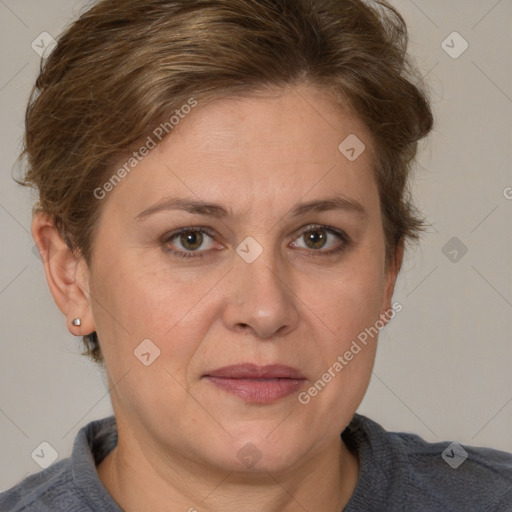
{"x": 341, "y": 235}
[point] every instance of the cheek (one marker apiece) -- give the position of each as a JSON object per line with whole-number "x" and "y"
{"x": 146, "y": 334}
{"x": 347, "y": 319}
{"x": 350, "y": 298}
{"x": 140, "y": 298}
{"x": 349, "y": 305}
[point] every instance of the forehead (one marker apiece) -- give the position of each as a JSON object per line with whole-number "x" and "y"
{"x": 299, "y": 123}
{"x": 269, "y": 148}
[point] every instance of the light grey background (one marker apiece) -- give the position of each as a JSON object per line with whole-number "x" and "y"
{"x": 444, "y": 364}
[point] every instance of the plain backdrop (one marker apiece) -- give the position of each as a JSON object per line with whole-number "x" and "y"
{"x": 443, "y": 368}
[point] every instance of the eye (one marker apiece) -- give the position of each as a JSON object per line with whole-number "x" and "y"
{"x": 321, "y": 239}
{"x": 197, "y": 241}
{"x": 187, "y": 241}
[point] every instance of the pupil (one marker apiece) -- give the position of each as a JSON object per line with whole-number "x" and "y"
{"x": 191, "y": 240}
{"x": 315, "y": 239}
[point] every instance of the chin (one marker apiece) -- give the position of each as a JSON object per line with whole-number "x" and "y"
{"x": 260, "y": 452}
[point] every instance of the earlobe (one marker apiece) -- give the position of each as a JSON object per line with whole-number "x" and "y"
{"x": 66, "y": 274}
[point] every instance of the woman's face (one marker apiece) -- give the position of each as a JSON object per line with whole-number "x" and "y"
{"x": 245, "y": 239}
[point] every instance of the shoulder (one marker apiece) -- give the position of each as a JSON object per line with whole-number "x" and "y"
{"x": 445, "y": 476}
{"x": 51, "y": 489}
{"x": 71, "y": 485}
{"x": 480, "y": 477}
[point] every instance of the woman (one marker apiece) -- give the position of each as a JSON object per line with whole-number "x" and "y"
{"x": 223, "y": 213}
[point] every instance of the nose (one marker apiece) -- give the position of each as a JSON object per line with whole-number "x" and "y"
{"x": 260, "y": 301}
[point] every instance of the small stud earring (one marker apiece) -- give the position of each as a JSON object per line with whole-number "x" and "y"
{"x": 77, "y": 322}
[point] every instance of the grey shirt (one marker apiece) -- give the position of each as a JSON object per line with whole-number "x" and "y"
{"x": 398, "y": 472}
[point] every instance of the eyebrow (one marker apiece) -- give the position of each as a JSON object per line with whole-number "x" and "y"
{"x": 198, "y": 207}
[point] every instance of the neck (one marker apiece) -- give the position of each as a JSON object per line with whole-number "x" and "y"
{"x": 140, "y": 478}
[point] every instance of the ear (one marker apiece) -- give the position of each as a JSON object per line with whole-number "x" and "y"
{"x": 394, "y": 266}
{"x": 66, "y": 273}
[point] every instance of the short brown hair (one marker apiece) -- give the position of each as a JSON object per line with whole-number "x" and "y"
{"x": 124, "y": 65}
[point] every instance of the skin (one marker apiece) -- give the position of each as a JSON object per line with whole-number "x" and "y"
{"x": 258, "y": 157}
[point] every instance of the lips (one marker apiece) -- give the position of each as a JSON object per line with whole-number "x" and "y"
{"x": 252, "y": 371}
{"x": 257, "y": 384}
